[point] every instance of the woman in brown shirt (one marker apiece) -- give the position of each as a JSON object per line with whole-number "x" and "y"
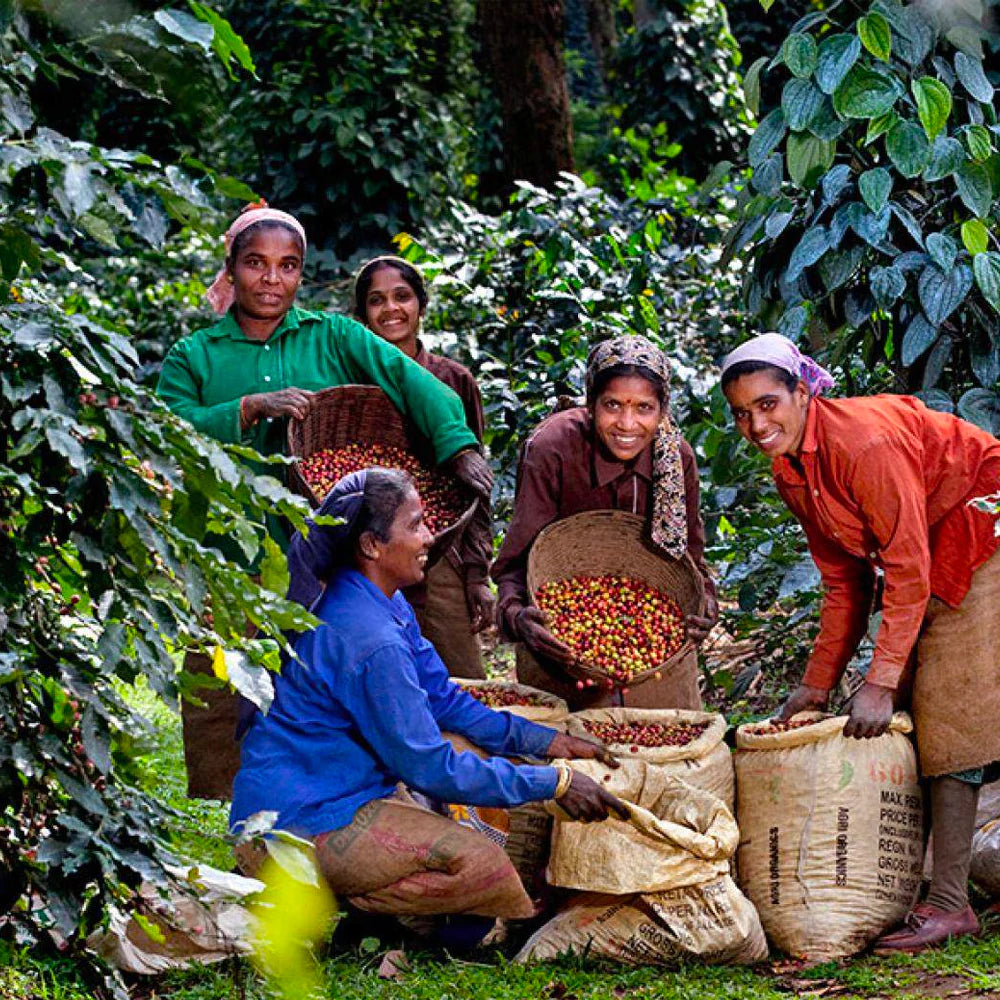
{"x": 619, "y": 452}
{"x": 455, "y": 603}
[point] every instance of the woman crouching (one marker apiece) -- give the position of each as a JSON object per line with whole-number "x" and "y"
{"x": 353, "y": 738}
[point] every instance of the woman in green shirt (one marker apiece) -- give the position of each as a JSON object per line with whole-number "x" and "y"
{"x": 239, "y": 380}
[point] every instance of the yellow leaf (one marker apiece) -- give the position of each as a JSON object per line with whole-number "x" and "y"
{"x": 219, "y": 664}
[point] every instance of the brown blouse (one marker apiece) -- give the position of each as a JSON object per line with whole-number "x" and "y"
{"x": 563, "y": 471}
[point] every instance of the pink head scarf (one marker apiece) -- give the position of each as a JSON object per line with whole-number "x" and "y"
{"x": 220, "y": 293}
{"x": 774, "y": 349}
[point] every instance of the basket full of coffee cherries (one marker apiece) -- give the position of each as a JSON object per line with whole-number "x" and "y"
{"x": 616, "y": 600}
{"x": 353, "y": 427}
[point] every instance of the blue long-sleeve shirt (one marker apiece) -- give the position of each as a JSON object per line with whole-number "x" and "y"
{"x": 364, "y": 710}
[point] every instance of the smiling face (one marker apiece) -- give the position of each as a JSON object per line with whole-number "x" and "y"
{"x": 392, "y": 309}
{"x": 402, "y": 560}
{"x": 266, "y": 272}
{"x": 626, "y": 414}
{"x": 768, "y": 414}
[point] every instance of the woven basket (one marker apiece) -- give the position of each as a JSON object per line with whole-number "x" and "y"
{"x": 361, "y": 414}
{"x": 598, "y": 542}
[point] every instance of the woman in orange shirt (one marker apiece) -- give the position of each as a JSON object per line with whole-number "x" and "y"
{"x": 883, "y": 483}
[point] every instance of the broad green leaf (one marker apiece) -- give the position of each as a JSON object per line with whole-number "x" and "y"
{"x": 79, "y": 188}
{"x": 982, "y": 408}
{"x": 971, "y": 76}
{"x": 979, "y": 142}
{"x": 858, "y": 307}
{"x": 793, "y": 323}
{"x": 875, "y": 187}
{"x": 227, "y": 44}
{"x": 801, "y": 103}
{"x": 941, "y": 294}
{"x": 836, "y": 268}
{"x": 984, "y": 357}
{"x": 919, "y": 336}
{"x": 808, "y": 158}
{"x": 936, "y": 360}
{"x": 914, "y": 34}
{"x": 187, "y": 27}
{"x": 946, "y": 157}
{"x": 936, "y": 399}
{"x": 933, "y": 104}
{"x": 811, "y": 247}
{"x": 799, "y": 54}
{"x": 908, "y": 148}
{"x": 880, "y": 125}
{"x": 942, "y": 250}
{"x": 751, "y": 84}
{"x": 872, "y": 227}
{"x": 834, "y": 183}
{"x": 767, "y": 5}
{"x": 864, "y": 93}
{"x": 837, "y": 54}
{"x": 972, "y": 180}
{"x": 777, "y": 223}
{"x": 768, "y": 176}
{"x": 875, "y": 35}
{"x": 828, "y": 124}
{"x": 887, "y": 284}
{"x": 986, "y": 266}
{"x": 975, "y": 237}
{"x": 766, "y": 137}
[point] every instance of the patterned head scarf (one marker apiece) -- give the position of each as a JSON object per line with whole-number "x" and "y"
{"x": 312, "y": 556}
{"x": 669, "y": 529}
{"x": 774, "y": 349}
{"x": 221, "y": 294}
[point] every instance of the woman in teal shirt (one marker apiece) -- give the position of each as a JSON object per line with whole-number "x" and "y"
{"x": 239, "y": 380}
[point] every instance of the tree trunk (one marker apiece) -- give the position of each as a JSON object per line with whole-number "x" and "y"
{"x": 522, "y": 43}
{"x": 603, "y": 34}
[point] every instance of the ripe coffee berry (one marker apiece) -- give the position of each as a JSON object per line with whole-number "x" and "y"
{"x": 498, "y": 696}
{"x": 443, "y": 503}
{"x": 645, "y": 734}
{"x": 616, "y": 624}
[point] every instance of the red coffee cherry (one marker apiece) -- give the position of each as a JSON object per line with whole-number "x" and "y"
{"x": 645, "y": 734}
{"x": 498, "y": 696}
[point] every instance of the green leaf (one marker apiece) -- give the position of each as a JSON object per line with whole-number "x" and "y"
{"x": 837, "y": 54}
{"x": 933, "y": 104}
{"x": 880, "y": 125}
{"x": 808, "y": 158}
{"x": 975, "y": 237}
{"x": 971, "y": 76}
{"x": 227, "y": 44}
{"x": 799, "y": 54}
{"x": 908, "y": 148}
{"x": 986, "y": 267}
{"x": 984, "y": 357}
{"x": 972, "y": 180}
{"x": 941, "y": 294}
{"x": 982, "y": 408}
{"x": 936, "y": 360}
{"x": 875, "y": 35}
{"x": 865, "y": 93}
{"x": 914, "y": 34}
{"x": 979, "y": 142}
{"x": 828, "y": 124}
{"x": 875, "y": 187}
{"x": 837, "y": 268}
{"x": 766, "y": 137}
{"x": 801, "y": 103}
{"x": 751, "y": 84}
{"x": 936, "y": 399}
{"x": 919, "y": 336}
{"x": 946, "y": 157}
{"x": 811, "y": 247}
{"x": 767, "y": 5}
{"x": 942, "y": 250}
{"x": 767, "y": 177}
{"x": 187, "y": 27}
{"x": 887, "y": 284}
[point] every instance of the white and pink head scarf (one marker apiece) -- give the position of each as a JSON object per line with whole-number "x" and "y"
{"x": 774, "y": 349}
{"x": 220, "y": 293}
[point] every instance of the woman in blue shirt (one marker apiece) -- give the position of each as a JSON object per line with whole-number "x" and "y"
{"x": 356, "y": 727}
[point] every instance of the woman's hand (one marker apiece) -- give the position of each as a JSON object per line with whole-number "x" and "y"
{"x": 577, "y": 748}
{"x": 529, "y": 624}
{"x": 804, "y": 699}
{"x": 870, "y": 712}
{"x": 481, "y": 603}
{"x": 281, "y": 403}
{"x": 698, "y": 626}
{"x": 470, "y": 468}
{"x": 586, "y": 801}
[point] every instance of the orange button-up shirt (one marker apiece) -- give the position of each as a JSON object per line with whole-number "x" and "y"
{"x": 882, "y": 481}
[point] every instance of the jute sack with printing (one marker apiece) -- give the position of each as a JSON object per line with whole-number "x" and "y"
{"x": 706, "y": 762}
{"x": 832, "y": 838}
{"x": 545, "y": 709}
{"x": 676, "y": 835}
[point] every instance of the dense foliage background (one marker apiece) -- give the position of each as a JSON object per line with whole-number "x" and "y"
{"x": 833, "y": 172}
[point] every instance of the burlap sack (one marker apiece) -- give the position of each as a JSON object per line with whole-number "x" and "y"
{"x": 552, "y": 710}
{"x": 677, "y": 835}
{"x": 831, "y": 848}
{"x": 985, "y": 868}
{"x": 705, "y": 762}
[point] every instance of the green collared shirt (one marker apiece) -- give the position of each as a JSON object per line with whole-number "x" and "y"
{"x": 205, "y": 376}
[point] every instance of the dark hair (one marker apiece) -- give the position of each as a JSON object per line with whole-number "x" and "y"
{"x": 258, "y": 227}
{"x": 605, "y": 376}
{"x": 385, "y": 492}
{"x": 363, "y": 283}
{"x": 783, "y": 375}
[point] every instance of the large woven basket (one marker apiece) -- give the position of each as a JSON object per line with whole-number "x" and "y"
{"x": 598, "y": 542}
{"x": 361, "y": 414}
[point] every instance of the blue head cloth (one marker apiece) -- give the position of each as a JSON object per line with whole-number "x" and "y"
{"x": 311, "y": 557}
